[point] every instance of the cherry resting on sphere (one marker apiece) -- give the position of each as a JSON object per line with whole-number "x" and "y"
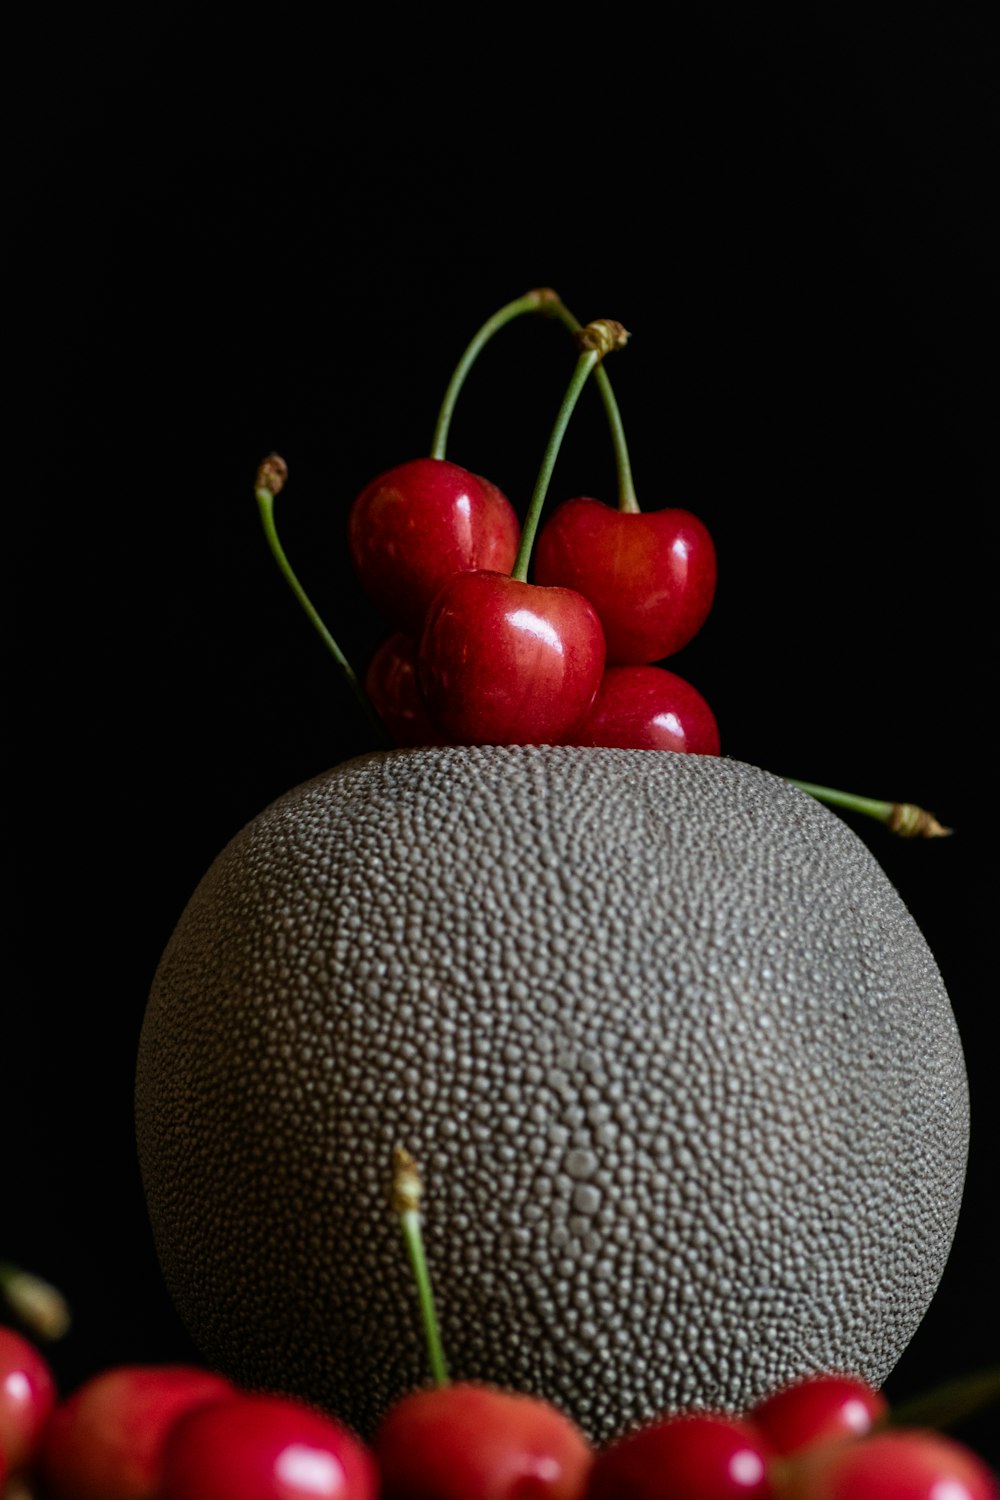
{"x": 416, "y": 525}
{"x": 649, "y": 574}
{"x": 502, "y": 662}
{"x": 648, "y": 708}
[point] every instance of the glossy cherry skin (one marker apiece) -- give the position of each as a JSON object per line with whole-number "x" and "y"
{"x": 106, "y": 1441}
{"x": 648, "y": 708}
{"x": 473, "y": 1442}
{"x": 27, "y": 1397}
{"x": 503, "y": 662}
{"x": 898, "y": 1464}
{"x": 265, "y": 1448}
{"x": 392, "y": 686}
{"x": 816, "y": 1410}
{"x": 416, "y": 525}
{"x": 695, "y": 1456}
{"x": 650, "y": 575}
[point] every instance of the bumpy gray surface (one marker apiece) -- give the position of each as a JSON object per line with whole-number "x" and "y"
{"x": 676, "y": 1061}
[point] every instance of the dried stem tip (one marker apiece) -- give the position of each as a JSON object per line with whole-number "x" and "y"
{"x": 603, "y": 336}
{"x": 407, "y": 1184}
{"x": 272, "y": 474}
{"x": 912, "y": 822}
{"x": 38, "y": 1304}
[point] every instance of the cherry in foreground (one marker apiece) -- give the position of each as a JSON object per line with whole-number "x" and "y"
{"x": 265, "y": 1448}
{"x": 473, "y": 1442}
{"x": 696, "y": 1456}
{"x": 27, "y": 1396}
{"x": 105, "y": 1442}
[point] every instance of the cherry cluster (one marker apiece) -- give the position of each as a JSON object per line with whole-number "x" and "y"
{"x": 178, "y": 1432}
{"x": 480, "y": 654}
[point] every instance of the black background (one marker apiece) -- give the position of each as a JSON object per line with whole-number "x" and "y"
{"x": 233, "y": 237}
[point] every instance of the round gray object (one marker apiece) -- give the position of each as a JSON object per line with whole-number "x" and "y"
{"x": 676, "y": 1062}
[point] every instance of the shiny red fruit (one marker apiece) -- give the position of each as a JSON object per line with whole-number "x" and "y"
{"x": 899, "y": 1464}
{"x": 106, "y": 1441}
{"x": 416, "y": 525}
{"x": 391, "y": 684}
{"x": 695, "y": 1456}
{"x": 649, "y": 574}
{"x": 473, "y": 1442}
{"x": 265, "y": 1448}
{"x": 648, "y": 708}
{"x": 27, "y": 1396}
{"x": 502, "y": 662}
{"x": 817, "y": 1409}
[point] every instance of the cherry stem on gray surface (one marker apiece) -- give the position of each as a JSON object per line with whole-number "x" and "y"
{"x": 271, "y": 477}
{"x": 407, "y": 1196}
{"x": 902, "y": 818}
{"x": 595, "y": 341}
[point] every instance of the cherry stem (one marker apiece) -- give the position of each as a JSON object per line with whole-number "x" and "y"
{"x": 948, "y": 1404}
{"x": 596, "y": 340}
{"x": 902, "y": 818}
{"x": 38, "y": 1304}
{"x": 540, "y": 299}
{"x": 271, "y": 477}
{"x": 407, "y": 1194}
{"x": 627, "y": 500}
{"x": 547, "y": 302}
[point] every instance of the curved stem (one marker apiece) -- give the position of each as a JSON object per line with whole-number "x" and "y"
{"x": 541, "y": 298}
{"x": 271, "y": 477}
{"x": 902, "y": 818}
{"x": 407, "y": 1193}
{"x": 596, "y": 340}
{"x": 626, "y": 488}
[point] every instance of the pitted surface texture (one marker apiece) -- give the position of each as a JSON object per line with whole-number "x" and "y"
{"x": 676, "y": 1062}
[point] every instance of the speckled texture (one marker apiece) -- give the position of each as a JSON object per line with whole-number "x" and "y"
{"x": 676, "y": 1061}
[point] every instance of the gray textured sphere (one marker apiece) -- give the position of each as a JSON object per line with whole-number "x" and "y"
{"x": 676, "y": 1061}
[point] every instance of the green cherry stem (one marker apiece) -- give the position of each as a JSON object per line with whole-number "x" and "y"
{"x": 595, "y": 341}
{"x": 39, "y": 1305}
{"x": 271, "y": 477}
{"x": 948, "y": 1404}
{"x": 627, "y": 500}
{"x": 539, "y": 300}
{"x": 407, "y": 1194}
{"x": 902, "y": 818}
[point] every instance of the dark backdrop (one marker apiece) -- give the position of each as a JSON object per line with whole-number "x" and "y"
{"x": 237, "y": 237}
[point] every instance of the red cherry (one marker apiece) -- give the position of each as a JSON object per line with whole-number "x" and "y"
{"x": 474, "y": 1442}
{"x": 899, "y": 1464}
{"x": 649, "y": 574}
{"x": 503, "y": 662}
{"x": 27, "y": 1397}
{"x": 648, "y": 708}
{"x": 695, "y": 1456}
{"x": 265, "y": 1448}
{"x": 416, "y": 525}
{"x": 106, "y": 1441}
{"x": 392, "y": 686}
{"x": 817, "y": 1409}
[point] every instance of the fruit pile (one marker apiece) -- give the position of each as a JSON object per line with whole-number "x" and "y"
{"x": 480, "y": 655}
{"x": 174, "y": 1432}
